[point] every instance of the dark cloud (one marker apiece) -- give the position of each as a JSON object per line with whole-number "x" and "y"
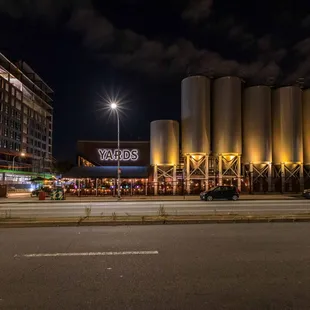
{"x": 44, "y": 9}
{"x": 306, "y": 21}
{"x": 303, "y": 47}
{"x": 95, "y": 29}
{"x": 264, "y": 43}
{"x": 127, "y": 49}
{"x": 197, "y": 10}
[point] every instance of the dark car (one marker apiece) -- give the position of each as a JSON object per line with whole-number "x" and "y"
{"x": 306, "y": 193}
{"x": 36, "y": 192}
{"x": 220, "y": 192}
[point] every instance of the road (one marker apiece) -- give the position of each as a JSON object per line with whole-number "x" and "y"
{"x": 49, "y": 209}
{"x": 229, "y": 266}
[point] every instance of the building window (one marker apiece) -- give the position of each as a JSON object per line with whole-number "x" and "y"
{"x": 6, "y": 97}
{"x": 18, "y": 105}
{"x": 11, "y": 145}
{"x": 18, "y": 95}
{"x": 6, "y": 109}
{"x": 5, "y": 144}
{"x": 12, "y": 134}
{"x": 5, "y": 132}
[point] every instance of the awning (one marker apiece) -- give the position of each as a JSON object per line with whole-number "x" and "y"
{"x": 107, "y": 172}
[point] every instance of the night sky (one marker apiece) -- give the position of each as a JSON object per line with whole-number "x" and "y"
{"x": 142, "y": 49}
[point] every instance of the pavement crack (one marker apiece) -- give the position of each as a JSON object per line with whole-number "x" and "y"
{"x": 36, "y": 268}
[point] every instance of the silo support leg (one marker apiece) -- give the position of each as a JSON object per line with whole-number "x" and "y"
{"x": 155, "y": 181}
{"x": 220, "y": 170}
{"x": 174, "y": 179}
{"x": 207, "y": 173}
{"x": 251, "y": 171}
{"x": 282, "y": 177}
{"x": 239, "y": 173}
{"x": 188, "y": 173}
{"x": 301, "y": 178}
{"x": 269, "y": 178}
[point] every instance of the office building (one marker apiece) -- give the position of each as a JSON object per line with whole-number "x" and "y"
{"x": 26, "y": 122}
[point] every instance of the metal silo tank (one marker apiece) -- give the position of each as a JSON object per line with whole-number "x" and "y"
{"x": 287, "y": 125}
{"x": 257, "y": 130}
{"x": 226, "y": 116}
{"x": 164, "y": 142}
{"x": 195, "y": 115}
{"x": 306, "y": 126}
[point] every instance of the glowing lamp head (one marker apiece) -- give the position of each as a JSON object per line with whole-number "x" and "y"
{"x": 22, "y": 154}
{"x": 113, "y": 106}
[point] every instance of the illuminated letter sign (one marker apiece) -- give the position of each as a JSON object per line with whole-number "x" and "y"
{"x": 124, "y": 154}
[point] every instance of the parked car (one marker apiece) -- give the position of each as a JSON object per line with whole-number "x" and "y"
{"x": 36, "y": 192}
{"x": 220, "y": 192}
{"x": 306, "y": 193}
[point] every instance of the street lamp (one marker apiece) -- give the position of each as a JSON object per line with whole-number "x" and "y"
{"x": 114, "y": 107}
{"x": 21, "y": 154}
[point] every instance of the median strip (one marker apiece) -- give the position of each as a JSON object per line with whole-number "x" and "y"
{"x": 153, "y": 220}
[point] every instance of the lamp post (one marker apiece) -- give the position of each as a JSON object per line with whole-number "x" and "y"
{"x": 114, "y": 107}
{"x": 21, "y": 154}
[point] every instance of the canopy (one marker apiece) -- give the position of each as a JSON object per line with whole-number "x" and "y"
{"x": 127, "y": 172}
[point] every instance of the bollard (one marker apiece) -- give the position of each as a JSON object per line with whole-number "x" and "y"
{"x": 42, "y": 195}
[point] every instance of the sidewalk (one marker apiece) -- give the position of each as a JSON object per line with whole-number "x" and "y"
{"x": 27, "y": 199}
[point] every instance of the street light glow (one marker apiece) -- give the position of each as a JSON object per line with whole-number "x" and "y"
{"x": 113, "y": 106}
{"x": 22, "y": 154}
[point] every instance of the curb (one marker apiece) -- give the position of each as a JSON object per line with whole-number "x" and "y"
{"x": 76, "y": 223}
{"x": 48, "y": 201}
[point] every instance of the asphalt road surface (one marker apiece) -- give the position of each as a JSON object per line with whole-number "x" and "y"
{"x": 49, "y": 209}
{"x": 228, "y": 266}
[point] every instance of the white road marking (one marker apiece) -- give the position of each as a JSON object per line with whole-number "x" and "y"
{"x": 91, "y": 254}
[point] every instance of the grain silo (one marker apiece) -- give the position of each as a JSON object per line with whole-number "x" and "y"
{"x": 164, "y": 151}
{"x": 257, "y": 137}
{"x": 287, "y": 148}
{"x": 195, "y": 115}
{"x": 226, "y": 128}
